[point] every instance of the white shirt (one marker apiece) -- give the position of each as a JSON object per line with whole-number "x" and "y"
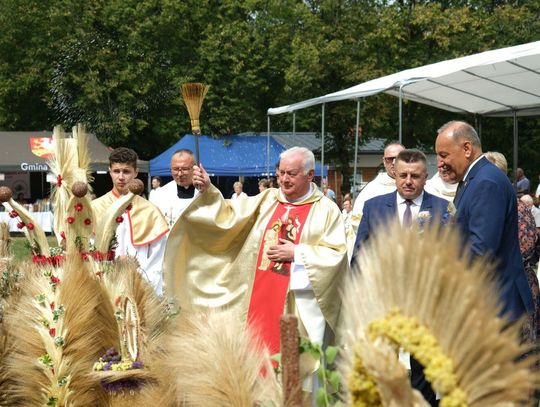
{"x": 470, "y": 166}
{"x": 241, "y": 195}
{"x": 149, "y": 257}
{"x": 153, "y": 196}
{"x": 415, "y": 206}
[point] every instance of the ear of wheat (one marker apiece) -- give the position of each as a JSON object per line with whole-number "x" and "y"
{"x": 448, "y": 307}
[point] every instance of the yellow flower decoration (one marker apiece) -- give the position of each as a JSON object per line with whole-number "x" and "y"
{"x": 416, "y": 339}
{"x": 362, "y": 386}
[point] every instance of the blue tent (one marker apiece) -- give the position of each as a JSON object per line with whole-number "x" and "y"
{"x": 225, "y": 156}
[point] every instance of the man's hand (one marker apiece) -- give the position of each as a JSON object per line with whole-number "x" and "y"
{"x": 282, "y": 252}
{"x": 201, "y": 180}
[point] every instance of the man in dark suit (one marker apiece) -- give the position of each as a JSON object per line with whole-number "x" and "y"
{"x": 405, "y": 204}
{"x": 486, "y": 212}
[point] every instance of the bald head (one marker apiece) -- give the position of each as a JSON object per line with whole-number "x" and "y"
{"x": 182, "y": 162}
{"x": 457, "y": 146}
{"x": 391, "y": 152}
{"x": 461, "y": 131}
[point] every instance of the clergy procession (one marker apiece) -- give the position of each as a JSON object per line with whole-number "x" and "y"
{"x": 201, "y": 300}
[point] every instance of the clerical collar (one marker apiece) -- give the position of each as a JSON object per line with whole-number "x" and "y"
{"x": 185, "y": 192}
{"x": 303, "y": 198}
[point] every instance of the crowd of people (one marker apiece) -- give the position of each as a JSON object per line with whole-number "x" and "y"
{"x": 293, "y": 241}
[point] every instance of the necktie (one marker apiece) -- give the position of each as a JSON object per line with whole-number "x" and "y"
{"x": 407, "y": 216}
{"x": 458, "y": 190}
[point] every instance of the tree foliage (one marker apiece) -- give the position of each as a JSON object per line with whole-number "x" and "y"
{"x": 117, "y": 65}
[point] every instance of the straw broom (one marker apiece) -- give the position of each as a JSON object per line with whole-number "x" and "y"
{"x": 193, "y": 95}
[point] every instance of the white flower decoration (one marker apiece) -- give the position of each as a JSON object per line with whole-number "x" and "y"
{"x": 424, "y": 215}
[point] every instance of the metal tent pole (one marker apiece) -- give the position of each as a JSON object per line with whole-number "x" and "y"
{"x": 401, "y": 113}
{"x": 356, "y": 145}
{"x": 480, "y": 127}
{"x": 322, "y": 144}
{"x": 294, "y": 124}
{"x": 515, "y": 149}
{"x": 268, "y": 147}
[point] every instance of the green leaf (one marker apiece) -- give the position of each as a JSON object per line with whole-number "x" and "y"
{"x": 59, "y": 341}
{"x": 334, "y": 378}
{"x": 304, "y": 345}
{"x": 331, "y": 353}
{"x": 315, "y": 352}
{"x": 46, "y": 360}
{"x": 320, "y": 397}
{"x": 320, "y": 373}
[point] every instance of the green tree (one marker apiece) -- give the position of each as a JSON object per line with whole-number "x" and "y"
{"x": 119, "y": 71}
{"x": 27, "y": 46}
{"x": 118, "y": 65}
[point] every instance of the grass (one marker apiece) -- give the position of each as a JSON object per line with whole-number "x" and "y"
{"x": 21, "y": 249}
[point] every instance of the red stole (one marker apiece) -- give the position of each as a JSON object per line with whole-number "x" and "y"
{"x": 272, "y": 278}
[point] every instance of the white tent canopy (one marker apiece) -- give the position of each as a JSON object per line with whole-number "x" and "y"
{"x": 493, "y": 83}
{"x": 502, "y": 82}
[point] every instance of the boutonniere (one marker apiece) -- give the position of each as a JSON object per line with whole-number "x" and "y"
{"x": 449, "y": 214}
{"x": 423, "y": 217}
{"x": 451, "y": 209}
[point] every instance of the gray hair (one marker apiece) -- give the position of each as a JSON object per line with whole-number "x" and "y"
{"x": 308, "y": 159}
{"x": 527, "y": 200}
{"x": 498, "y": 159}
{"x": 462, "y": 131}
{"x": 184, "y": 151}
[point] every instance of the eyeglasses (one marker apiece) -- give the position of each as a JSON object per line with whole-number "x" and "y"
{"x": 389, "y": 160}
{"x": 181, "y": 169}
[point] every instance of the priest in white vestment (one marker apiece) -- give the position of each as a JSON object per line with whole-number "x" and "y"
{"x": 176, "y": 195}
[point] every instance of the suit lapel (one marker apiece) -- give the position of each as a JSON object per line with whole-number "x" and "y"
{"x": 426, "y": 202}
{"x": 472, "y": 173}
{"x": 391, "y": 205}
{"x": 387, "y": 210}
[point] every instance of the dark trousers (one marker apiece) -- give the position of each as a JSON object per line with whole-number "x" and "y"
{"x": 419, "y": 382}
